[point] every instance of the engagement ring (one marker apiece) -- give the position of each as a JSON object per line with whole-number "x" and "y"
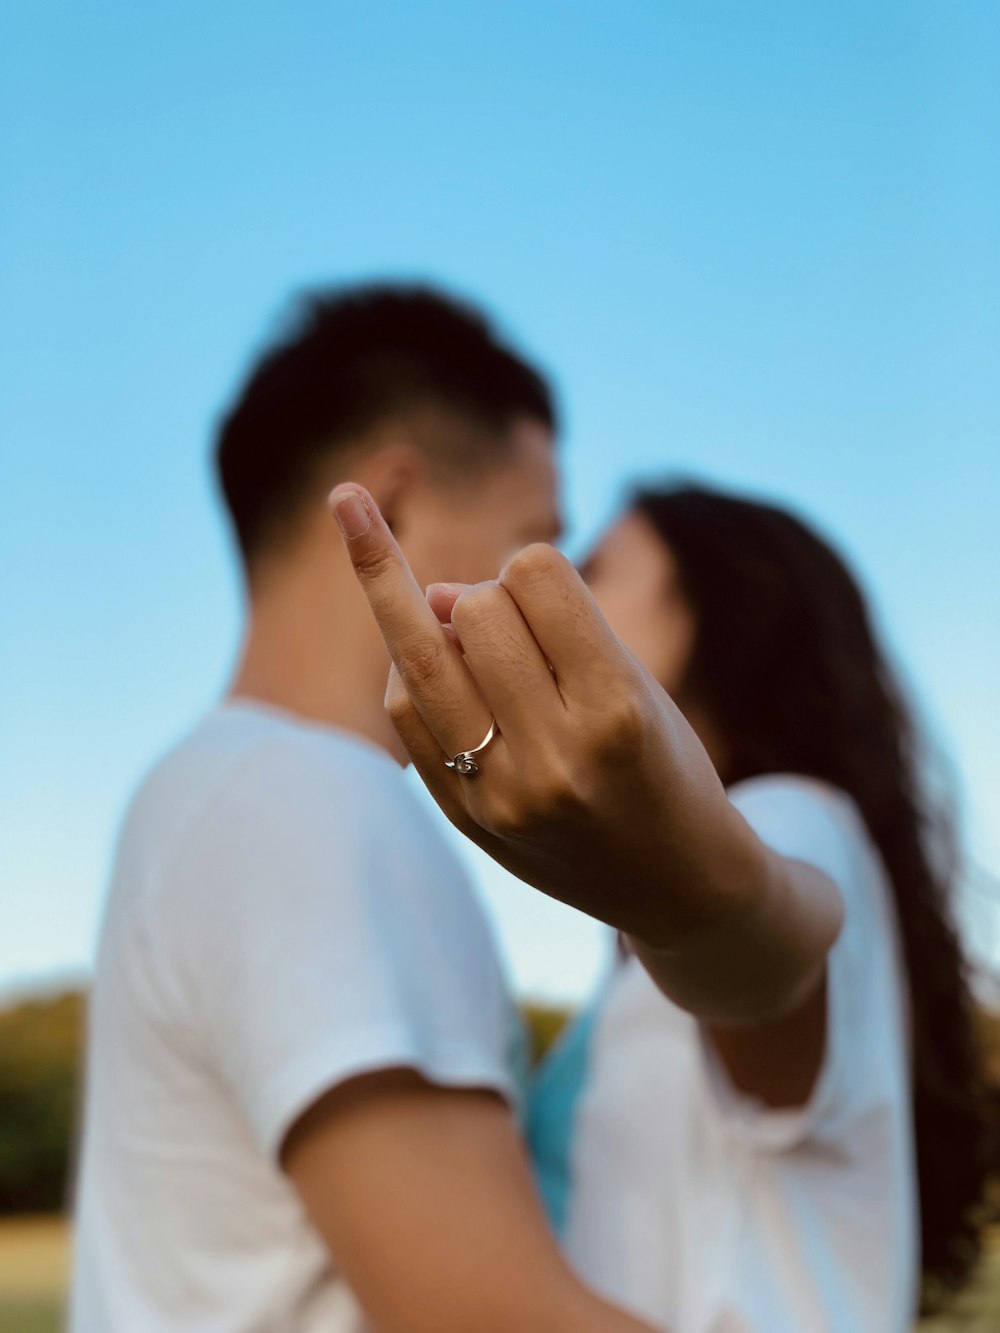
{"x": 463, "y": 762}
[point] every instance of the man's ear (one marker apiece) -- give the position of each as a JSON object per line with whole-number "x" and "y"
{"x": 396, "y": 476}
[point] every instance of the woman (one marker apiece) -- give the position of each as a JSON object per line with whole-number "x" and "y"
{"x": 801, "y": 1185}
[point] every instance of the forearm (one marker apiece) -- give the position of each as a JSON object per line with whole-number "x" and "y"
{"x": 567, "y": 1307}
{"x": 587, "y": 1313}
{"x": 761, "y": 955}
{"x": 424, "y": 1197}
{"x": 727, "y": 928}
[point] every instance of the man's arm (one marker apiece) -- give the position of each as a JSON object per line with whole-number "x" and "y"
{"x": 597, "y": 792}
{"x": 427, "y": 1205}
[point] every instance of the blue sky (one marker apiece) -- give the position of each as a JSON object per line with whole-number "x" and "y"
{"x": 758, "y": 243}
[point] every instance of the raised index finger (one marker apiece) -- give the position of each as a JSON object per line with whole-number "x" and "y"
{"x": 432, "y": 669}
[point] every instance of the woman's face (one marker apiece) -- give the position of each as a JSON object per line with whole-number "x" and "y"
{"x": 634, "y": 577}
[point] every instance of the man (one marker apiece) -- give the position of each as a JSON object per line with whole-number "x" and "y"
{"x": 298, "y": 1100}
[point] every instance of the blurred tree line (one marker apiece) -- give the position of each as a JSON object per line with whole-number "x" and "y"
{"x": 40, "y": 1049}
{"x": 41, "y": 1045}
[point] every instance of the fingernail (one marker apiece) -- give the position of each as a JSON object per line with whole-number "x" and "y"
{"x": 449, "y": 589}
{"x": 352, "y": 515}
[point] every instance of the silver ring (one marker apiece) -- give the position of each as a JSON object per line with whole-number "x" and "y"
{"x": 464, "y": 762}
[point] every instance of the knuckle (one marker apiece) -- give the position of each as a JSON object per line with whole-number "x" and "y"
{"x": 476, "y": 605}
{"x": 559, "y": 795}
{"x": 512, "y": 815}
{"x": 621, "y": 728}
{"x": 504, "y": 816}
{"x": 551, "y": 797}
{"x": 534, "y": 564}
{"x": 372, "y": 562}
{"x": 399, "y": 706}
{"x": 421, "y": 661}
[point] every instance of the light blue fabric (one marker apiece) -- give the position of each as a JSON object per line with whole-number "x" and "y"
{"x": 553, "y": 1096}
{"x": 519, "y": 1063}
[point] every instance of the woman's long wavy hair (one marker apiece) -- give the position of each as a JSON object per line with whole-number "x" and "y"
{"x": 787, "y": 669}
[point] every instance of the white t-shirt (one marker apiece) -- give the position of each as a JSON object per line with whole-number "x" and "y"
{"x": 699, "y": 1208}
{"x": 283, "y": 916}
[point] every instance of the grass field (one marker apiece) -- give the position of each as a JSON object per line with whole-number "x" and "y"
{"x": 34, "y": 1268}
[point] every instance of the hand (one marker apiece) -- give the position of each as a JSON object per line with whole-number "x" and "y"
{"x": 594, "y": 789}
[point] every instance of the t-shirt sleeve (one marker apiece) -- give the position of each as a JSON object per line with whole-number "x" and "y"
{"x": 863, "y": 1060}
{"x": 323, "y": 929}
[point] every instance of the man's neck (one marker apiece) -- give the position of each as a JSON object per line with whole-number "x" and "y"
{"x": 313, "y": 650}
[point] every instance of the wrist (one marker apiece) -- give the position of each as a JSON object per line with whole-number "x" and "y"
{"x": 720, "y": 885}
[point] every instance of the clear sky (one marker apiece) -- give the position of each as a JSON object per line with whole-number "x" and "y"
{"x": 758, "y": 243}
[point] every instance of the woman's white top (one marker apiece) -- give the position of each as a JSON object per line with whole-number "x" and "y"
{"x": 697, "y": 1207}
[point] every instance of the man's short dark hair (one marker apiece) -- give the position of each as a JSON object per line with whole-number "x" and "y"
{"x": 349, "y": 360}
